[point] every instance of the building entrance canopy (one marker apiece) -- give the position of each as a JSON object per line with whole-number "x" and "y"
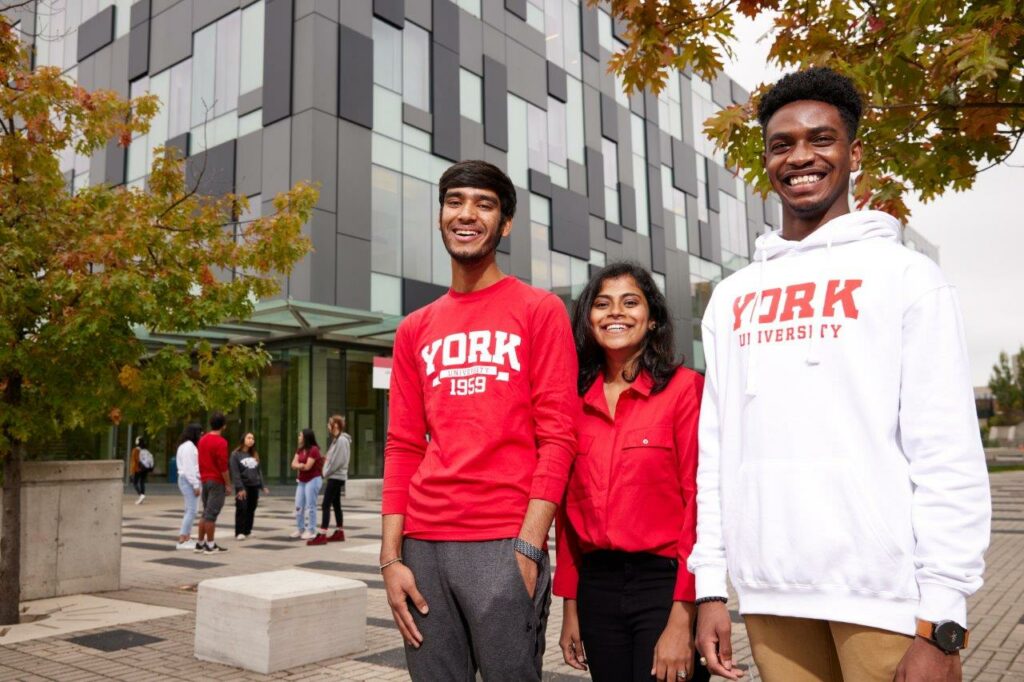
{"x": 281, "y": 320}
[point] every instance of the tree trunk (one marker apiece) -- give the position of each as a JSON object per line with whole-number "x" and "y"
{"x": 10, "y": 544}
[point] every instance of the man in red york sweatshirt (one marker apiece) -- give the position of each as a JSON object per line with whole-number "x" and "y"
{"x": 480, "y": 442}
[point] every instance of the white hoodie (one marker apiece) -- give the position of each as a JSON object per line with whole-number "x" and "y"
{"x": 841, "y": 471}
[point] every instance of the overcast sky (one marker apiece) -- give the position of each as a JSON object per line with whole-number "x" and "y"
{"x": 980, "y": 233}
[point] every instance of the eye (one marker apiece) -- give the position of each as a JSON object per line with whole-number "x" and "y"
{"x": 779, "y": 147}
{"x": 823, "y": 140}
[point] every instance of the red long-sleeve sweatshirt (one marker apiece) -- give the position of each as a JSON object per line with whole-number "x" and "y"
{"x": 634, "y": 481}
{"x": 482, "y": 412}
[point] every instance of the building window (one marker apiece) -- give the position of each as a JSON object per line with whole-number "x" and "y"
{"x": 416, "y": 66}
{"x": 670, "y": 106}
{"x": 604, "y": 30}
{"x": 385, "y": 294}
{"x": 704, "y": 275}
{"x": 574, "y": 130}
{"x": 387, "y": 56}
{"x": 471, "y": 96}
{"x": 387, "y": 112}
{"x": 703, "y": 109}
{"x": 471, "y": 6}
{"x": 702, "y": 189}
{"x": 252, "y": 47}
{"x": 675, "y": 203}
{"x": 537, "y": 136}
{"x": 386, "y": 227}
{"x": 733, "y": 222}
{"x": 518, "y": 156}
{"x": 558, "y": 153}
{"x": 418, "y": 220}
{"x": 611, "y": 179}
{"x": 535, "y": 14}
{"x": 639, "y": 137}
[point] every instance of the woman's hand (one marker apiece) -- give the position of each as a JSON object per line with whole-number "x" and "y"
{"x": 673, "y": 653}
{"x": 570, "y": 642}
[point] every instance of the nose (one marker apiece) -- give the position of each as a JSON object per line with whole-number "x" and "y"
{"x": 467, "y": 213}
{"x": 801, "y": 154}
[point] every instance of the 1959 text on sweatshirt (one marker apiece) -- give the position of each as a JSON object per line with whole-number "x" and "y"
{"x": 482, "y": 409}
{"x": 841, "y": 474}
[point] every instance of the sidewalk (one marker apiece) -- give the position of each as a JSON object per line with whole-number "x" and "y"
{"x": 154, "y": 574}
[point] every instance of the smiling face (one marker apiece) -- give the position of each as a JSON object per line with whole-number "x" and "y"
{"x": 809, "y": 157}
{"x": 470, "y": 224}
{"x": 620, "y": 317}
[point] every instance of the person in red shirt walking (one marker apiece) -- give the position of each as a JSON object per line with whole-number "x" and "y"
{"x": 629, "y": 520}
{"x": 480, "y": 440}
{"x": 216, "y": 481}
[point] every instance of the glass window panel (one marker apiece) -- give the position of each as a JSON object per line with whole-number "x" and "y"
{"x": 561, "y": 274}
{"x": 442, "y": 262}
{"x": 137, "y": 153}
{"x": 417, "y": 224}
{"x": 386, "y": 152}
{"x": 471, "y": 6}
{"x": 179, "y": 96}
{"x": 571, "y": 29}
{"x": 611, "y": 204}
{"x": 387, "y": 113}
{"x": 416, "y": 66}
{"x": 517, "y": 159}
{"x": 574, "y": 135}
{"x": 609, "y": 150}
{"x": 537, "y": 133}
{"x": 387, "y": 56}
{"x": 251, "y": 122}
{"x": 535, "y": 14}
{"x": 640, "y": 180}
{"x": 227, "y": 63}
{"x": 553, "y": 32}
{"x": 203, "y": 58}
{"x": 386, "y": 227}
{"x": 417, "y": 163}
{"x": 620, "y": 91}
{"x": 252, "y": 47}
{"x": 598, "y": 258}
{"x": 604, "y": 31}
{"x": 138, "y": 88}
{"x": 540, "y": 256}
{"x": 540, "y": 209}
{"x": 557, "y": 149}
{"x": 579, "y": 273}
{"x": 666, "y": 187}
{"x": 79, "y": 181}
{"x": 385, "y": 294}
{"x": 471, "y": 96}
{"x": 559, "y": 175}
{"x": 159, "y": 85}
{"x": 416, "y": 137}
{"x": 123, "y": 17}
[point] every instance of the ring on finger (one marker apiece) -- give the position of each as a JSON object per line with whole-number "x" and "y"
{"x": 703, "y": 661}
{"x": 681, "y": 675}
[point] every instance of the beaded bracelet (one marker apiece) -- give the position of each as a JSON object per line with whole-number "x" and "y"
{"x": 705, "y": 600}
{"x": 396, "y": 560}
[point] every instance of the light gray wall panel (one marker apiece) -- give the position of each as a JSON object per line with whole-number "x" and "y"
{"x": 323, "y": 259}
{"x": 577, "y": 178}
{"x": 597, "y": 234}
{"x": 525, "y": 35}
{"x": 249, "y": 164}
{"x": 357, "y": 16}
{"x": 471, "y": 43}
{"x": 494, "y": 44}
{"x": 328, "y": 9}
{"x": 496, "y": 156}
{"x": 277, "y": 141}
{"x": 159, "y": 6}
{"x": 686, "y": 102}
{"x": 592, "y": 72}
{"x": 170, "y": 36}
{"x": 526, "y": 79}
{"x": 314, "y": 157}
{"x": 316, "y": 65}
{"x": 101, "y": 62}
{"x": 493, "y": 13}
{"x": 592, "y": 117}
{"x": 417, "y": 118}
{"x": 721, "y": 90}
{"x": 119, "y": 66}
{"x": 353, "y": 272}
{"x": 472, "y": 139}
{"x": 354, "y": 180}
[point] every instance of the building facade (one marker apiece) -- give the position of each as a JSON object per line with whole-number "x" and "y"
{"x": 373, "y": 99}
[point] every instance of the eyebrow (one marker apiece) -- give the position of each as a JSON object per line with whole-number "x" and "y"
{"x": 813, "y": 131}
{"x": 478, "y": 196}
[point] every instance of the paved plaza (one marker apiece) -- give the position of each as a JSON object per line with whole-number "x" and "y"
{"x": 154, "y": 574}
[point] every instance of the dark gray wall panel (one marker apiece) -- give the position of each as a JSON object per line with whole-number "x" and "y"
{"x": 249, "y": 164}
{"x": 665, "y": 147}
{"x": 716, "y": 238}
{"x": 471, "y": 43}
{"x": 391, "y": 11}
{"x": 619, "y": 29}
{"x": 609, "y": 118}
{"x": 119, "y": 66}
{"x": 704, "y": 240}
{"x": 627, "y": 206}
{"x": 595, "y": 182}
{"x": 739, "y": 95}
{"x": 95, "y": 33}
{"x": 505, "y": 246}
{"x": 578, "y": 178}
{"x": 495, "y": 104}
{"x": 181, "y": 143}
{"x": 692, "y": 226}
{"x": 557, "y": 83}
{"x": 355, "y": 77}
{"x": 496, "y": 156}
{"x": 353, "y": 272}
{"x": 444, "y": 88}
{"x": 526, "y": 75}
{"x": 721, "y": 90}
{"x": 570, "y": 224}
{"x": 316, "y": 272}
{"x": 651, "y": 107}
{"x": 591, "y": 117}
{"x": 726, "y": 180}
{"x": 212, "y": 172}
{"x": 138, "y": 51}
{"x": 419, "y": 12}
{"x": 446, "y": 24}
{"x": 540, "y": 183}
{"x": 115, "y": 164}
{"x": 472, "y": 140}
{"x": 517, "y": 7}
{"x": 597, "y": 233}
{"x": 140, "y": 12}
{"x": 205, "y": 12}
{"x": 416, "y": 294}
{"x": 170, "y": 36}
{"x": 686, "y": 102}
{"x": 714, "y": 184}
{"x": 655, "y": 201}
{"x": 354, "y": 180}
{"x": 250, "y": 101}
{"x": 684, "y": 167}
{"x": 277, "y": 61}
{"x": 652, "y": 143}
{"x": 519, "y": 240}
{"x": 417, "y": 118}
{"x": 658, "y": 249}
{"x": 773, "y": 211}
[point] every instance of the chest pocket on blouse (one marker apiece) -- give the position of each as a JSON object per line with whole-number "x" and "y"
{"x": 648, "y": 457}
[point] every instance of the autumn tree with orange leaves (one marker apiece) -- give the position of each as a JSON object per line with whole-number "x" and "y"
{"x": 81, "y": 272}
{"x": 943, "y": 80}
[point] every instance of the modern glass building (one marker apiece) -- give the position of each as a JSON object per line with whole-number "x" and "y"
{"x": 373, "y": 99}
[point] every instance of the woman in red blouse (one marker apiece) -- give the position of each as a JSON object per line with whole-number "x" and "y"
{"x": 629, "y": 518}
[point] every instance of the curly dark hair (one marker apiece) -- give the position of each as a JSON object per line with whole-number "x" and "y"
{"x": 817, "y": 83}
{"x": 480, "y": 175}
{"x": 657, "y": 358}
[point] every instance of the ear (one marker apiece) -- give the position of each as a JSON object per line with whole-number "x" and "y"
{"x": 506, "y": 228}
{"x": 856, "y": 152}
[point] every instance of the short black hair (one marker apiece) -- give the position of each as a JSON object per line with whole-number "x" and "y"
{"x": 480, "y": 175}
{"x": 217, "y": 420}
{"x": 658, "y": 356}
{"x": 817, "y": 83}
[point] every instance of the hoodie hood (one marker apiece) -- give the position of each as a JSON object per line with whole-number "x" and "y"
{"x": 850, "y": 227}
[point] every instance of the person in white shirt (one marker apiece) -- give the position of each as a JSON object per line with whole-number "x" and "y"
{"x": 187, "y": 459}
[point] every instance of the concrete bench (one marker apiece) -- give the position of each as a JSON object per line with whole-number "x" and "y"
{"x": 267, "y": 622}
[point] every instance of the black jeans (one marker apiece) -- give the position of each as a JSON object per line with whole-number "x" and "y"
{"x": 245, "y": 510}
{"x": 139, "y": 481}
{"x": 332, "y": 498}
{"x": 623, "y": 602}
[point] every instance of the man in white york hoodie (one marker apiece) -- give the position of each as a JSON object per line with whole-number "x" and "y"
{"x": 841, "y": 481}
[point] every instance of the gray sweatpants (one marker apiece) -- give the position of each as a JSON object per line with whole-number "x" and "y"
{"x": 480, "y": 614}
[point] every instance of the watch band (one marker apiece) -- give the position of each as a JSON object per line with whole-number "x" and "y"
{"x": 926, "y": 629}
{"x": 535, "y": 554}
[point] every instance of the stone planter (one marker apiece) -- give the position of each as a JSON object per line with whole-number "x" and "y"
{"x": 70, "y": 527}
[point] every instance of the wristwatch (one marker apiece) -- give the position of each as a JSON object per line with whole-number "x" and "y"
{"x": 948, "y": 635}
{"x": 536, "y": 554}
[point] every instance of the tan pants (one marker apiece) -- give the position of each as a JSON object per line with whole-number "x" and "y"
{"x": 804, "y": 650}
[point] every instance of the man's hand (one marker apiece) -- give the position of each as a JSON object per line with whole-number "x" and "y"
{"x": 925, "y": 662}
{"x": 241, "y": 495}
{"x": 673, "y": 653}
{"x": 400, "y": 586}
{"x": 570, "y": 642}
{"x": 714, "y": 639}
{"x": 528, "y": 569}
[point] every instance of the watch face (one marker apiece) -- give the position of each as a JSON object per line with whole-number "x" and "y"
{"x": 949, "y": 636}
